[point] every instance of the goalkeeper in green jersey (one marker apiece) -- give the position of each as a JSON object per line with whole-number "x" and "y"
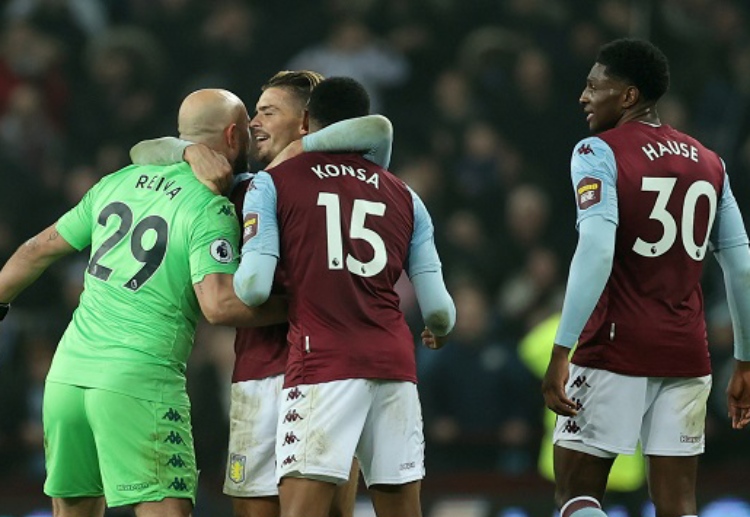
{"x": 163, "y": 249}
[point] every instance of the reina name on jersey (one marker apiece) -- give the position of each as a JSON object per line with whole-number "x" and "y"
{"x": 158, "y": 184}
{"x": 655, "y": 151}
{"x": 334, "y": 170}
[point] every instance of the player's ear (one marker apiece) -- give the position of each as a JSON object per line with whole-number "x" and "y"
{"x": 631, "y": 96}
{"x": 232, "y": 136}
{"x": 305, "y": 129}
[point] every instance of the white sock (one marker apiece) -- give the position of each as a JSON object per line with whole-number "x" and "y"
{"x": 589, "y": 512}
{"x": 582, "y": 506}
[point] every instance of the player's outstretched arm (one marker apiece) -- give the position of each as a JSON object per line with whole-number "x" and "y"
{"x": 211, "y": 168}
{"x": 167, "y": 150}
{"x": 221, "y": 306}
{"x": 30, "y": 261}
{"x": 371, "y": 135}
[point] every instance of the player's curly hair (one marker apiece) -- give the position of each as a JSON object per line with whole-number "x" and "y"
{"x": 638, "y": 62}
{"x": 338, "y": 98}
{"x": 299, "y": 82}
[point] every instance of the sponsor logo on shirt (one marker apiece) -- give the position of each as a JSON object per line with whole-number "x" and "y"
{"x": 589, "y": 192}
{"x": 237, "y": 467}
{"x": 250, "y": 226}
{"x": 690, "y": 439}
{"x": 222, "y": 251}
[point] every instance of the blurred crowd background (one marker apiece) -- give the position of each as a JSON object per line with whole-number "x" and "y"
{"x": 483, "y": 95}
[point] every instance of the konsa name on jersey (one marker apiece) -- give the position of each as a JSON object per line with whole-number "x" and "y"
{"x": 334, "y": 170}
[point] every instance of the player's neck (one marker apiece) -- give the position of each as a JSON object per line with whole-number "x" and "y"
{"x": 646, "y": 114}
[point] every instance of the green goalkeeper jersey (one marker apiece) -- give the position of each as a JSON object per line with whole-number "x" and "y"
{"x": 154, "y": 231}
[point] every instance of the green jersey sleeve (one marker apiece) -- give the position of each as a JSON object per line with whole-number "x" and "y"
{"x": 213, "y": 241}
{"x": 75, "y": 225}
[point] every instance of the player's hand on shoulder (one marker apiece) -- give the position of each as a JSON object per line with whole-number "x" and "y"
{"x": 290, "y": 151}
{"x": 738, "y": 395}
{"x": 432, "y": 341}
{"x": 553, "y": 384}
{"x": 211, "y": 168}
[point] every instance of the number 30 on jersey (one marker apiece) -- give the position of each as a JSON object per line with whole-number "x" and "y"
{"x": 664, "y": 187}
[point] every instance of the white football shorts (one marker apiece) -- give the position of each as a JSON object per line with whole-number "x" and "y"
{"x": 666, "y": 414}
{"x": 253, "y": 416}
{"x": 321, "y": 426}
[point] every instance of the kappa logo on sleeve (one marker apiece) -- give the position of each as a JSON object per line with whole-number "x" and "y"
{"x": 250, "y": 226}
{"x": 588, "y": 192}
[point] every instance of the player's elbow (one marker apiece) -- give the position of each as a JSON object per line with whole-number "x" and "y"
{"x": 250, "y": 291}
{"x": 382, "y": 126}
{"x": 441, "y": 321}
{"x": 214, "y": 315}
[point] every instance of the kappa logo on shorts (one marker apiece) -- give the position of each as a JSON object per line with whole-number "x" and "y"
{"x": 294, "y": 394}
{"x": 174, "y": 438}
{"x": 179, "y": 485}
{"x": 176, "y": 461}
{"x": 290, "y": 439}
{"x": 571, "y": 427}
{"x": 250, "y": 224}
{"x": 172, "y": 416}
{"x": 579, "y": 404}
{"x": 292, "y": 416}
{"x": 589, "y": 192}
{"x": 236, "y": 467}
{"x": 289, "y": 460}
{"x": 580, "y": 381}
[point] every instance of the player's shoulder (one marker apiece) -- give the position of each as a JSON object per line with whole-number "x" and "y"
{"x": 591, "y": 147}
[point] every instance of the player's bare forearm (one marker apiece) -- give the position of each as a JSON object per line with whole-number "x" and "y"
{"x": 29, "y": 262}
{"x": 221, "y": 306}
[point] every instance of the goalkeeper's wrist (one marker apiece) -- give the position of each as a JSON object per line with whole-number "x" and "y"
{"x": 4, "y": 308}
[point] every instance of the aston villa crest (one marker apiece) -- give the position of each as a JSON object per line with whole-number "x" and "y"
{"x": 237, "y": 467}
